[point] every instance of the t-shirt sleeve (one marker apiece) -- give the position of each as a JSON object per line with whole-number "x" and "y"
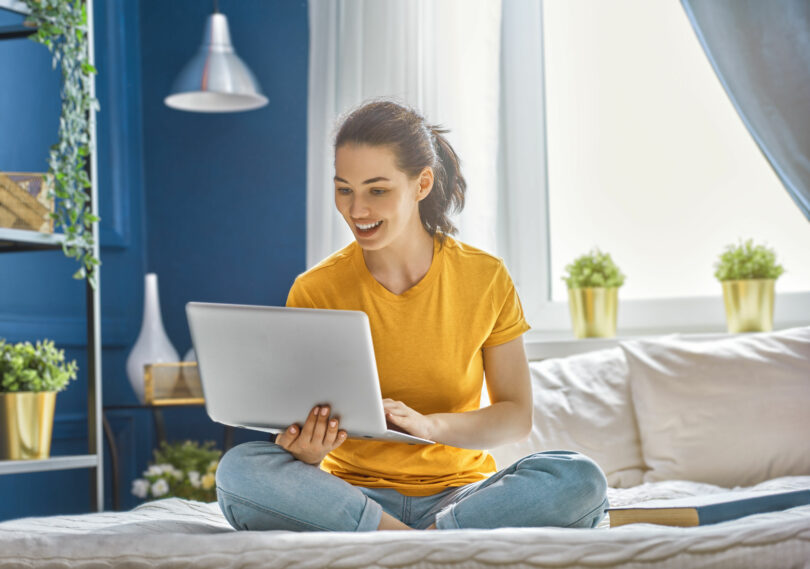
{"x": 298, "y": 297}
{"x": 510, "y": 322}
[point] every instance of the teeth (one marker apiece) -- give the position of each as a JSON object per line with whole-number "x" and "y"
{"x": 369, "y": 226}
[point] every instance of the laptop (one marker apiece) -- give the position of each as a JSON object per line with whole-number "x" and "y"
{"x": 265, "y": 368}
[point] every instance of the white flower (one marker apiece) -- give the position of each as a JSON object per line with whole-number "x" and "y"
{"x": 140, "y": 488}
{"x": 177, "y": 473}
{"x": 194, "y": 478}
{"x": 160, "y": 488}
{"x": 158, "y": 469}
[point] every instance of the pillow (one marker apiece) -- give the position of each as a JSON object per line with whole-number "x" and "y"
{"x": 582, "y": 403}
{"x": 730, "y": 412}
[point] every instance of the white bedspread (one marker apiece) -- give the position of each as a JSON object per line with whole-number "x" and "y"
{"x": 178, "y": 533}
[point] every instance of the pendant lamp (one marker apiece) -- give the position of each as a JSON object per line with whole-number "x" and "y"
{"x": 216, "y": 80}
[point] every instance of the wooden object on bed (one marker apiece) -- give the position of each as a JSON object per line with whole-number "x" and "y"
{"x": 709, "y": 509}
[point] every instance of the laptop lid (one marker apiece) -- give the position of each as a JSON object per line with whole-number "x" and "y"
{"x": 265, "y": 367}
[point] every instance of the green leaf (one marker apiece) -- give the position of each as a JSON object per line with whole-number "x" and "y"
{"x": 593, "y": 269}
{"x": 24, "y": 367}
{"x": 745, "y": 260}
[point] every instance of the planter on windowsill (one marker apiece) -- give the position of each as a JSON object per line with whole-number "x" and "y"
{"x": 748, "y": 275}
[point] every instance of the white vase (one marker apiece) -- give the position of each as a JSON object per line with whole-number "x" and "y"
{"x": 152, "y": 345}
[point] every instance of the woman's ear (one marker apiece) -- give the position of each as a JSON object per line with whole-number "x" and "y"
{"x": 425, "y": 183}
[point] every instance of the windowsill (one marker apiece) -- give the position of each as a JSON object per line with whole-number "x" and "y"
{"x": 543, "y": 345}
{"x": 694, "y": 318}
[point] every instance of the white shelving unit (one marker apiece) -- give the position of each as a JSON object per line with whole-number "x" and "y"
{"x": 15, "y": 241}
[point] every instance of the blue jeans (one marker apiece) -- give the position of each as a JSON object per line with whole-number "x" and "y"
{"x": 260, "y": 486}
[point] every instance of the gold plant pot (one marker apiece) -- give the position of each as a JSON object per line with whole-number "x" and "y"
{"x": 749, "y": 305}
{"x": 26, "y": 425}
{"x": 594, "y": 311}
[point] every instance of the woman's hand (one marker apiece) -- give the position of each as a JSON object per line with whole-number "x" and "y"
{"x": 318, "y": 437}
{"x": 412, "y": 422}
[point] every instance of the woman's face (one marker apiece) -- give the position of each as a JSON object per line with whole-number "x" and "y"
{"x": 378, "y": 201}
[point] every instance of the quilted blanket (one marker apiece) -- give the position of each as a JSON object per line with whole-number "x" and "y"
{"x": 178, "y": 533}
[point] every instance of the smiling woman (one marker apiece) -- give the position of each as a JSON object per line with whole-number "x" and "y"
{"x": 443, "y": 316}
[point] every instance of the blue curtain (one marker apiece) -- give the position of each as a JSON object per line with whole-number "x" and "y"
{"x": 760, "y": 50}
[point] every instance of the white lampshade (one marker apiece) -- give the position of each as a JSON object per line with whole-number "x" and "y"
{"x": 216, "y": 80}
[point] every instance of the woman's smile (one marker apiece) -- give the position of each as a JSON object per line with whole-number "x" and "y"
{"x": 367, "y": 229}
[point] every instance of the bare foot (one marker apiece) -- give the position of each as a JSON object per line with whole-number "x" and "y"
{"x": 390, "y": 522}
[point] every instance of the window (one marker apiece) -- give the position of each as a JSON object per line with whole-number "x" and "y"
{"x": 648, "y": 159}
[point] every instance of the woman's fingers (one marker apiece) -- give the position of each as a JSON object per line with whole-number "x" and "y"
{"x": 319, "y": 435}
{"x": 287, "y": 437}
{"x": 331, "y": 435}
{"x": 319, "y": 430}
{"x": 309, "y": 425}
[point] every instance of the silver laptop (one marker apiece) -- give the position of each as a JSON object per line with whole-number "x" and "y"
{"x": 266, "y": 367}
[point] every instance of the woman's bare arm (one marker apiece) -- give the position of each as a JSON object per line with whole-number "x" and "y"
{"x": 507, "y": 419}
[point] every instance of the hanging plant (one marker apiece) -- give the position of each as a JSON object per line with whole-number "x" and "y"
{"x": 62, "y": 28}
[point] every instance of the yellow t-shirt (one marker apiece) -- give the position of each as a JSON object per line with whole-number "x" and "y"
{"x": 427, "y": 342}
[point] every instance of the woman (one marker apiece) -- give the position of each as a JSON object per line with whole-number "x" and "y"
{"x": 442, "y": 313}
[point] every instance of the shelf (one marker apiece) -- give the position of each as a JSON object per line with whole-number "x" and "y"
{"x": 53, "y": 463}
{"x": 24, "y": 240}
{"x": 15, "y": 32}
{"x": 13, "y": 240}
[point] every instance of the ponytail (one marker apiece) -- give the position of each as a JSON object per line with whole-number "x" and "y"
{"x": 449, "y": 187}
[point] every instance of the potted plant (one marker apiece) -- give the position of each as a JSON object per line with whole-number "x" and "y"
{"x": 748, "y": 273}
{"x": 593, "y": 281}
{"x": 30, "y": 377}
{"x": 185, "y": 470}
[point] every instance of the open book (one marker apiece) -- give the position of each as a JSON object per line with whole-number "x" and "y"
{"x": 709, "y": 509}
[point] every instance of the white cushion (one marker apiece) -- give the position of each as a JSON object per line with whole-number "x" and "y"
{"x": 730, "y": 412}
{"x": 582, "y": 403}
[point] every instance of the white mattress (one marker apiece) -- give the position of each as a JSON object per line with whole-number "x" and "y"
{"x": 178, "y": 533}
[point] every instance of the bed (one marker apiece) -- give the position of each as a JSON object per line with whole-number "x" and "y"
{"x": 665, "y": 418}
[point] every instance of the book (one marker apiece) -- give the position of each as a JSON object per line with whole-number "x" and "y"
{"x": 707, "y": 509}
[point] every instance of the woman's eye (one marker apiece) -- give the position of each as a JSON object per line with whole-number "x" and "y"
{"x": 378, "y": 191}
{"x": 344, "y": 191}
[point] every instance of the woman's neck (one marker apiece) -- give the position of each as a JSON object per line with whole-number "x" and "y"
{"x": 400, "y": 266}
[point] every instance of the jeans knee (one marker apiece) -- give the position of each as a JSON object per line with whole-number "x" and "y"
{"x": 244, "y": 461}
{"x": 581, "y": 486}
{"x": 591, "y": 483}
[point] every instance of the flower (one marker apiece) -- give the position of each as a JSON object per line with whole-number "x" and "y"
{"x": 156, "y": 469}
{"x": 140, "y": 487}
{"x": 208, "y": 481}
{"x": 160, "y": 488}
{"x": 183, "y": 470}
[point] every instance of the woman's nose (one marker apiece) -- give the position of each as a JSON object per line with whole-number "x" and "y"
{"x": 358, "y": 208}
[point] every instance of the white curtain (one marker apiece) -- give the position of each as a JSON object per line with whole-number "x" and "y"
{"x": 439, "y": 56}
{"x": 474, "y": 66}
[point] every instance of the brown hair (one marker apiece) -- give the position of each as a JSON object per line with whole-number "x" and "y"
{"x": 416, "y": 146}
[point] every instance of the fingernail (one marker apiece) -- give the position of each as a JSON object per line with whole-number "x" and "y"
{"x": 316, "y": 411}
{"x": 292, "y": 430}
{"x": 333, "y": 423}
{"x": 324, "y": 411}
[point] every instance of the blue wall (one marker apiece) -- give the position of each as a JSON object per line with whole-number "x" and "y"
{"x": 214, "y": 204}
